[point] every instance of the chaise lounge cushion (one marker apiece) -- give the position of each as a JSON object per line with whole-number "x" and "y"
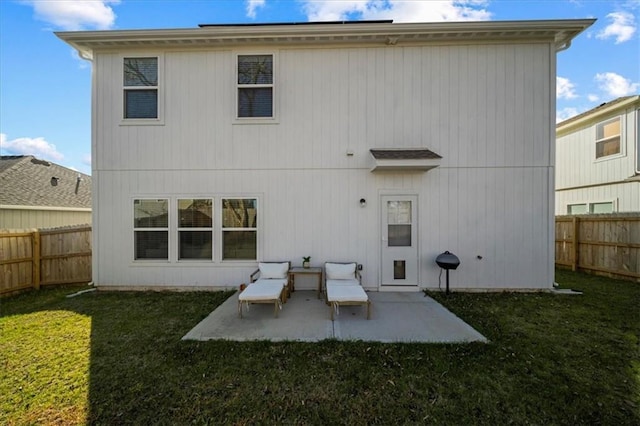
{"x": 340, "y": 271}
{"x": 263, "y": 291}
{"x": 346, "y": 294}
{"x": 341, "y": 283}
{"x": 273, "y": 270}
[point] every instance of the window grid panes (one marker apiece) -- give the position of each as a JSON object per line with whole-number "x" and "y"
{"x": 255, "y": 86}
{"x": 140, "y": 81}
{"x": 195, "y": 229}
{"x": 151, "y": 229}
{"x": 608, "y": 138}
{"x": 239, "y": 228}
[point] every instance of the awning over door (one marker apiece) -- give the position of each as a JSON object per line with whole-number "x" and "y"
{"x": 404, "y": 159}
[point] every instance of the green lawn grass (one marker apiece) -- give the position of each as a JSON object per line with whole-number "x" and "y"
{"x": 117, "y": 358}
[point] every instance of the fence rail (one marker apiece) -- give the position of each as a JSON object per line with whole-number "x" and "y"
{"x": 602, "y": 244}
{"x": 35, "y": 258}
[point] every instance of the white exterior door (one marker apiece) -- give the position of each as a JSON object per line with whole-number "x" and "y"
{"x": 399, "y": 246}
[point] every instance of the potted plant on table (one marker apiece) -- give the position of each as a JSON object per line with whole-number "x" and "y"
{"x": 306, "y": 260}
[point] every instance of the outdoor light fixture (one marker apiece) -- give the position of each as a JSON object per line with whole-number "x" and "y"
{"x": 54, "y": 181}
{"x": 363, "y": 202}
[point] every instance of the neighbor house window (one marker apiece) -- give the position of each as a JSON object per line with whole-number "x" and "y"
{"x": 601, "y": 208}
{"x": 577, "y": 209}
{"x": 239, "y": 228}
{"x": 255, "y": 86}
{"x": 151, "y": 229}
{"x": 141, "y": 88}
{"x": 195, "y": 229}
{"x": 608, "y": 138}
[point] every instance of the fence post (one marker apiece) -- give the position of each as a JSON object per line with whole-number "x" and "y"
{"x": 36, "y": 259}
{"x": 576, "y": 241}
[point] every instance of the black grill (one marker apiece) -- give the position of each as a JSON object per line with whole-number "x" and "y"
{"x": 447, "y": 261}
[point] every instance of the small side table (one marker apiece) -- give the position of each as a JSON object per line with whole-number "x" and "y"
{"x": 305, "y": 271}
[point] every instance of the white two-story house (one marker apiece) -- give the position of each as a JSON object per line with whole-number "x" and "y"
{"x": 598, "y": 160}
{"x": 385, "y": 144}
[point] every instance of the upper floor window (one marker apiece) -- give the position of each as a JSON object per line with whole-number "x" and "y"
{"x": 608, "y": 138}
{"x": 140, "y": 87}
{"x": 255, "y": 86}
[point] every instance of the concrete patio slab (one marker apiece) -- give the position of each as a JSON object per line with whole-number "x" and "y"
{"x": 395, "y": 317}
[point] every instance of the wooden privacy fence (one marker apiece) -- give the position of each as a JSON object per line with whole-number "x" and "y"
{"x": 602, "y": 244}
{"x": 35, "y": 258}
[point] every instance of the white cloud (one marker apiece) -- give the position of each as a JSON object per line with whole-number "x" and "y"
{"x": 37, "y": 147}
{"x": 593, "y": 97}
{"x": 86, "y": 160}
{"x": 565, "y": 88}
{"x": 253, "y": 6}
{"x": 565, "y": 113}
{"x": 398, "y": 10}
{"x": 75, "y": 14}
{"x": 622, "y": 27}
{"x": 616, "y": 85}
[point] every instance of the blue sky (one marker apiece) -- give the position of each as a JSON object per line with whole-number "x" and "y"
{"x": 45, "y": 89}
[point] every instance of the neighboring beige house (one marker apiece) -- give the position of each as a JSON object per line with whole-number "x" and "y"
{"x": 379, "y": 143}
{"x": 40, "y": 194}
{"x": 598, "y": 159}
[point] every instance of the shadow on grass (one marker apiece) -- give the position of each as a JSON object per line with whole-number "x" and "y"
{"x": 553, "y": 359}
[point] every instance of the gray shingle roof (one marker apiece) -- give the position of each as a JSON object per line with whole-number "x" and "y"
{"x": 27, "y": 181}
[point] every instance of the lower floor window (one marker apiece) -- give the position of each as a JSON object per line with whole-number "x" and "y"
{"x": 151, "y": 228}
{"x": 197, "y": 229}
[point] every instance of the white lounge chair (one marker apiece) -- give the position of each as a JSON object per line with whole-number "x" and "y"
{"x": 269, "y": 284}
{"x": 343, "y": 286}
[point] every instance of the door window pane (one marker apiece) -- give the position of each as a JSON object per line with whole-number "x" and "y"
{"x": 399, "y": 223}
{"x": 399, "y": 235}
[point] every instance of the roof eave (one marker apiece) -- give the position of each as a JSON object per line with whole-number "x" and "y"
{"x": 560, "y": 31}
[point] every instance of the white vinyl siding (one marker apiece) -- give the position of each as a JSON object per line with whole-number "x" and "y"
{"x": 486, "y": 109}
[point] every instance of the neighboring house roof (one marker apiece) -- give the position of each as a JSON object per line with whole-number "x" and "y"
{"x": 560, "y": 32}
{"x": 28, "y": 181}
{"x": 594, "y": 113}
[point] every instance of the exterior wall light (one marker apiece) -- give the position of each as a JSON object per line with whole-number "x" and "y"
{"x": 363, "y": 202}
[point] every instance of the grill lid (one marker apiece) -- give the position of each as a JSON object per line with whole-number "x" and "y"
{"x": 447, "y": 260}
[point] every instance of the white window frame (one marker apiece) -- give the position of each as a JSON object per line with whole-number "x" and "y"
{"x": 159, "y": 90}
{"x": 620, "y": 152}
{"x": 166, "y": 229}
{"x": 180, "y": 229}
{"x": 223, "y": 229}
{"x": 274, "y": 86}
{"x": 217, "y": 229}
